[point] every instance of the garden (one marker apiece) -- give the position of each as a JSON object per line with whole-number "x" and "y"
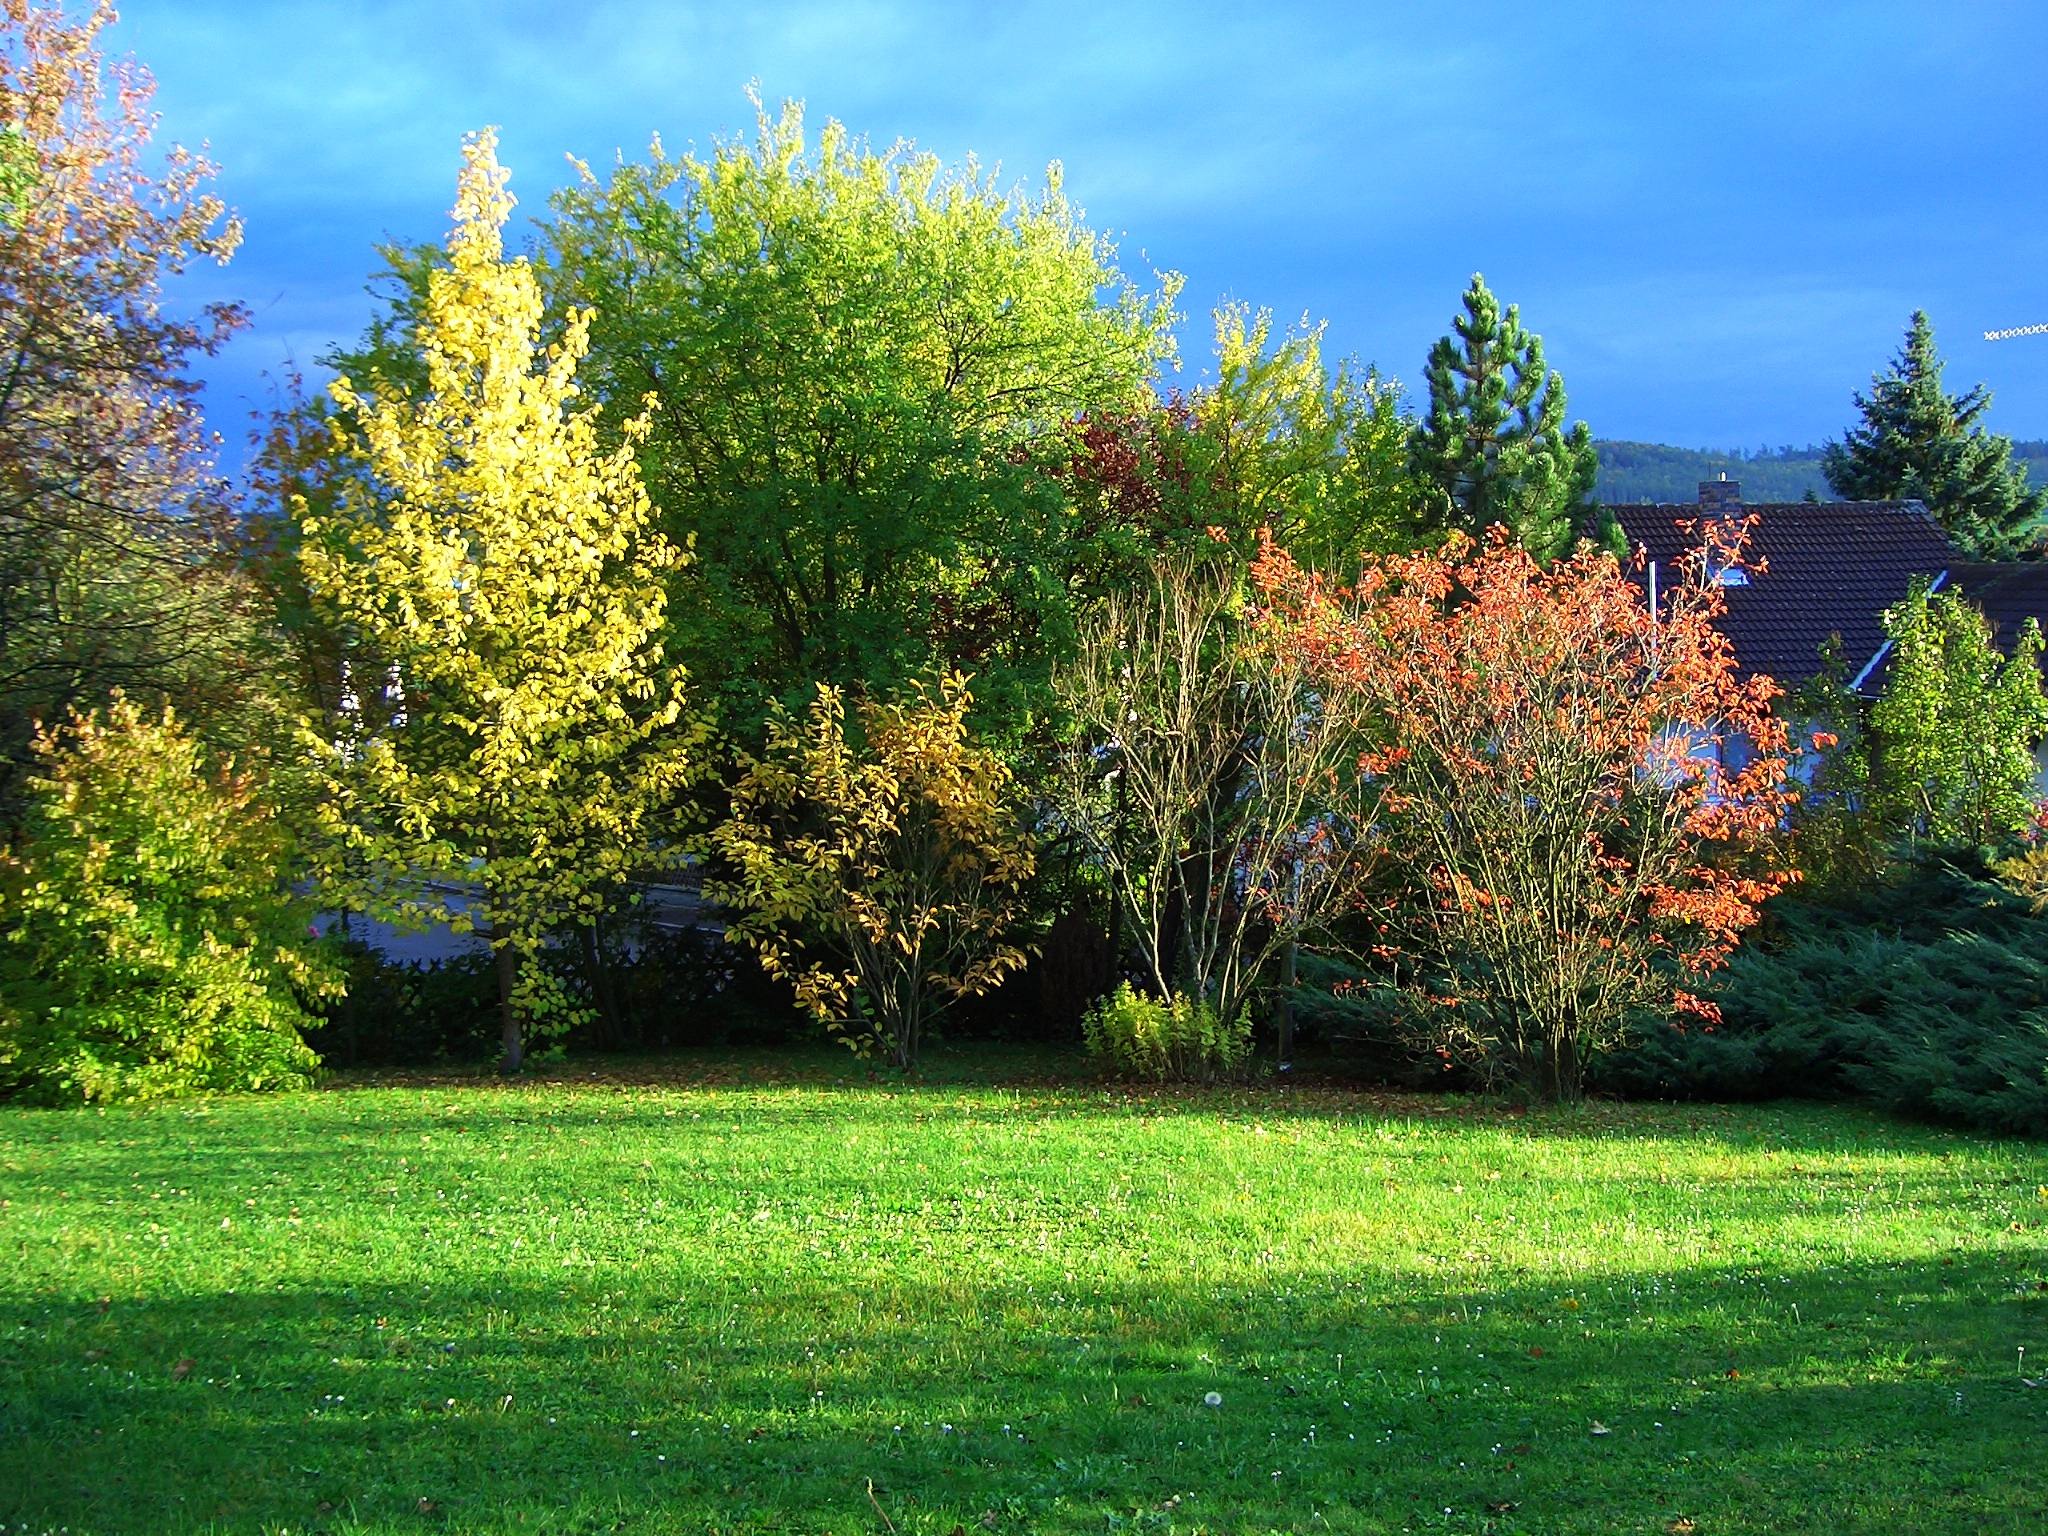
{"x": 1019, "y": 947}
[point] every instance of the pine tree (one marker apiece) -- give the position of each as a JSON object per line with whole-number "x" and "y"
{"x": 1917, "y": 441}
{"x": 1494, "y": 442}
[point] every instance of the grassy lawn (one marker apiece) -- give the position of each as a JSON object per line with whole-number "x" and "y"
{"x": 748, "y": 1296}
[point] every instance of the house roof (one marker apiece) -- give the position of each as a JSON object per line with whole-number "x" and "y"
{"x": 2009, "y": 593}
{"x": 1816, "y": 569}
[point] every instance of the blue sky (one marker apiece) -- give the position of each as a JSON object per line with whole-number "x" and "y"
{"x": 1717, "y": 215}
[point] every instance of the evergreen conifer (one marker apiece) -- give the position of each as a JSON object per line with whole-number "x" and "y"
{"x": 1494, "y": 442}
{"x": 1918, "y": 441}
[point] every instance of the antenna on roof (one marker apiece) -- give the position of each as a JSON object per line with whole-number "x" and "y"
{"x": 2017, "y": 330}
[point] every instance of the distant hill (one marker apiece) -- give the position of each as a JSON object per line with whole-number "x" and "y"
{"x": 1654, "y": 472}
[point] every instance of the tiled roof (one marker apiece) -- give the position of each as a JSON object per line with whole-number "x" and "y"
{"x": 1816, "y": 569}
{"x": 2009, "y": 594}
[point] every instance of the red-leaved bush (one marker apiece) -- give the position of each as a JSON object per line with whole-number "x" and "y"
{"x": 1581, "y": 798}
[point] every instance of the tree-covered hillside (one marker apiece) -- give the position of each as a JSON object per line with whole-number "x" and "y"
{"x": 1654, "y": 472}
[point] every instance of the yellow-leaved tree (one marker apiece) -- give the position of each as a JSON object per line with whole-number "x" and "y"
{"x": 496, "y": 575}
{"x": 876, "y": 870}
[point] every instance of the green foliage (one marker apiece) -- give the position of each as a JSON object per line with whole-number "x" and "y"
{"x": 1918, "y": 441}
{"x": 1287, "y": 445}
{"x": 1493, "y": 443}
{"x": 1183, "y": 1040}
{"x": 876, "y": 871}
{"x": 863, "y": 366}
{"x": 1924, "y": 992}
{"x": 19, "y": 172}
{"x": 149, "y": 946}
{"x": 1950, "y": 748}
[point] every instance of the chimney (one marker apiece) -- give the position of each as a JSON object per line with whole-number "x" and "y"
{"x": 1721, "y": 498}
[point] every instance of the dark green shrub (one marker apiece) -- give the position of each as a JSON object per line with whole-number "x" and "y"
{"x": 1925, "y": 992}
{"x": 411, "y": 1013}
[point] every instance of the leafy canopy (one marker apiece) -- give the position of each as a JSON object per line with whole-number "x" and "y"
{"x": 482, "y": 546}
{"x": 861, "y": 365}
{"x": 149, "y": 943}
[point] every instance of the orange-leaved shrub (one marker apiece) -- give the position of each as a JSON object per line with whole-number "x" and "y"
{"x": 1581, "y": 799}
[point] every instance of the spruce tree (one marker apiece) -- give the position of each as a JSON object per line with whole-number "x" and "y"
{"x": 1494, "y": 442}
{"x": 1917, "y": 441}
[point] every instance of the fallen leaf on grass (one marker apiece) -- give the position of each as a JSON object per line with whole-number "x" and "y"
{"x": 1600, "y": 1429}
{"x": 183, "y": 1368}
{"x": 1684, "y": 1525}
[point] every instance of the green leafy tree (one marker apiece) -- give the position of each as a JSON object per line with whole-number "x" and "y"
{"x": 1292, "y": 447}
{"x": 150, "y": 945}
{"x": 1951, "y": 743}
{"x": 1493, "y": 443}
{"x": 877, "y": 871}
{"x": 1917, "y": 441}
{"x": 862, "y": 366}
{"x": 481, "y": 547}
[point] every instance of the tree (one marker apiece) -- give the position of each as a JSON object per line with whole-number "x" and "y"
{"x": 1572, "y": 839}
{"x": 1493, "y": 443}
{"x": 111, "y": 568}
{"x": 1214, "y": 785}
{"x": 1310, "y": 455}
{"x": 1283, "y": 446}
{"x": 863, "y": 365}
{"x": 1916, "y": 441}
{"x": 150, "y": 944}
{"x": 482, "y": 548}
{"x": 876, "y": 872}
{"x": 1951, "y": 741}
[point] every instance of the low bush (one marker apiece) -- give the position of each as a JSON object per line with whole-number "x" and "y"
{"x": 1182, "y": 1040}
{"x": 1926, "y": 992}
{"x": 150, "y": 945}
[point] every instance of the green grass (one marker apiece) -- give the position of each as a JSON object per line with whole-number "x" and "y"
{"x": 733, "y": 1297}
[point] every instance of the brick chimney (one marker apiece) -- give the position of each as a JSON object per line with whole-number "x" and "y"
{"x": 1721, "y": 498}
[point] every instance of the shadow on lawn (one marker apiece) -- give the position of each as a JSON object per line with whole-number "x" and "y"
{"x": 1878, "y": 1398}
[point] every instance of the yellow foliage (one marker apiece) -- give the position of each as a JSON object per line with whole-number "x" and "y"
{"x": 504, "y": 567}
{"x": 877, "y": 876}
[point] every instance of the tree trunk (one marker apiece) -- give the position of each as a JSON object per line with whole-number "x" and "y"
{"x": 610, "y": 1027}
{"x": 508, "y": 1016}
{"x": 1284, "y": 1012}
